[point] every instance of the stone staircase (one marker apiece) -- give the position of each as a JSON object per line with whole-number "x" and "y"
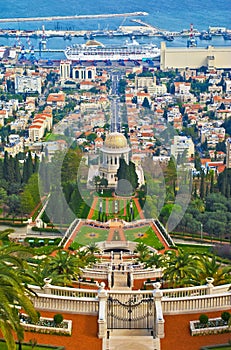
{"x": 120, "y": 281}
{"x": 134, "y": 339}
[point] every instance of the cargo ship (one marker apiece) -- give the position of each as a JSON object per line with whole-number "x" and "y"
{"x": 95, "y": 51}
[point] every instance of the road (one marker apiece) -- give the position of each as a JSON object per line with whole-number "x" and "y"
{"x": 115, "y": 114}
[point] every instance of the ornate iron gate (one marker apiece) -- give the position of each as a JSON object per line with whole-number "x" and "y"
{"x": 131, "y": 314}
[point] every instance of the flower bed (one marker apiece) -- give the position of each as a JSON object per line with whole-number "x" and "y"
{"x": 214, "y": 326}
{"x": 46, "y": 325}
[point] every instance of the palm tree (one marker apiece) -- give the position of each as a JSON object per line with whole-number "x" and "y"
{"x": 64, "y": 267}
{"x": 154, "y": 260}
{"x": 143, "y": 251}
{"x": 180, "y": 266}
{"x": 93, "y": 248}
{"x": 14, "y": 293}
{"x": 207, "y": 266}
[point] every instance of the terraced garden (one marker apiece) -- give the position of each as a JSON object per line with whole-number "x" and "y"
{"x": 110, "y": 208}
{"x": 88, "y": 234}
{"x": 144, "y": 234}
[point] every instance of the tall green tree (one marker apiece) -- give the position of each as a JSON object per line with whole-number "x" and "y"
{"x": 65, "y": 267}
{"x": 13, "y": 292}
{"x": 27, "y": 168}
{"x": 27, "y": 202}
{"x": 17, "y": 173}
{"x": 133, "y": 177}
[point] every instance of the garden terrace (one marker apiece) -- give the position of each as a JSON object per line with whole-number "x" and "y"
{"x": 168, "y": 303}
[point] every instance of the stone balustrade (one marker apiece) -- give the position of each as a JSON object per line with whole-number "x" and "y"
{"x": 221, "y": 289}
{"x": 80, "y": 305}
{"x": 94, "y": 274}
{"x": 184, "y": 292}
{"x": 192, "y": 304}
{"x": 147, "y": 273}
{"x": 64, "y": 291}
{"x": 173, "y": 301}
{"x": 69, "y": 231}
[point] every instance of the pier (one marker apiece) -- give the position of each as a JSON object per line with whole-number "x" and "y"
{"x": 74, "y": 17}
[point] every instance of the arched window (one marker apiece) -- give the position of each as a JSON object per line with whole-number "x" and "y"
{"x": 111, "y": 160}
{"x": 76, "y": 74}
{"x": 115, "y": 160}
{"x": 89, "y": 74}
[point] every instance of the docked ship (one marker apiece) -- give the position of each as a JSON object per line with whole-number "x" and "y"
{"x": 95, "y": 51}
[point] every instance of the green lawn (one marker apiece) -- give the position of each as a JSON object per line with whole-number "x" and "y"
{"x": 28, "y": 347}
{"x": 108, "y": 208}
{"x": 55, "y": 137}
{"x": 191, "y": 248}
{"x": 149, "y": 237}
{"x": 222, "y": 347}
{"x": 89, "y": 234}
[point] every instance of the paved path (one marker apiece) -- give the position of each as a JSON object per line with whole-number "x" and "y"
{"x": 140, "y": 211}
{"x": 160, "y": 237}
{"x": 73, "y": 235}
{"x": 93, "y": 206}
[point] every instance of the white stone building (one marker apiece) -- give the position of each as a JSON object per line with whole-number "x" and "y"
{"x": 26, "y": 83}
{"x": 115, "y": 147}
{"x": 180, "y": 144}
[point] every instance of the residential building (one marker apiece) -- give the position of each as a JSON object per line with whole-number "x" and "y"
{"x": 28, "y": 84}
{"x": 182, "y": 144}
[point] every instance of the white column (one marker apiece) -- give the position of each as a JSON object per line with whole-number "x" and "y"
{"x": 210, "y": 285}
{"x": 102, "y": 317}
{"x": 159, "y": 322}
{"x": 46, "y": 288}
{"x": 109, "y": 273}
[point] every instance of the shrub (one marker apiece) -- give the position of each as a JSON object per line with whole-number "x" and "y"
{"x": 58, "y": 318}
{"x": 38, "y": 315}
{"x": 225, "y": 316}
{"x": 203, "y": 319}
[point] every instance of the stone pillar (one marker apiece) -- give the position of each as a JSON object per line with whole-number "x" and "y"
{"x": 210, "y": 285}
{"x": 109, "y": 273}
{"x": 159, "y": 322}
{"x": 102, "y": 316}
{"x": 131, "y": 276}
{"x": 47, "y": 286}
{"x": 121, "y": 255}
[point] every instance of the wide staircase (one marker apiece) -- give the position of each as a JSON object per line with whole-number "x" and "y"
{"x": 120, "y": 275}
{"x": 134, "y": 339}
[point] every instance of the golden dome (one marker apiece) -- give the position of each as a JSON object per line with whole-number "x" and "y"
{"x": 115, "y": 140}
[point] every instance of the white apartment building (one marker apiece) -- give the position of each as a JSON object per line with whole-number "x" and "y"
{"x": 27, "y": 83}
{"x": 180, "y": 144}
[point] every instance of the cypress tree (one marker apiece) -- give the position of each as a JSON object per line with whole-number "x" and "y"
{"x": 228, "y": 191}
{"x": 212, "y": 183}
{"x": 5, "y": 166}
{"x": 36, "y": 164}
{"x": 27, "y": 168}
{"x": 11, "y": 170}
{"x": 122, "y": 174}
{"x": 30, "y": 165}
{"x": 17, "y": 173}
{"x": 133, "y": 175}
{"x": 202, "y": 185}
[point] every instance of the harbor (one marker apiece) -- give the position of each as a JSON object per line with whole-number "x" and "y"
{"x": 49, "y": 43}
{"x": 141, "y": 29}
